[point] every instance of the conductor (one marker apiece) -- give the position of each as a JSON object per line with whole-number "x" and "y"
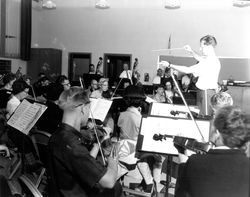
{"x": 207, "y": 70}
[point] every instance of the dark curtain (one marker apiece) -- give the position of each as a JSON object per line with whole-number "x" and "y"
{"x": 26, "y": 9}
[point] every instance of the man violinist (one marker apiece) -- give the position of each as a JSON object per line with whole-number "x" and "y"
{"x": 73, "y": 168}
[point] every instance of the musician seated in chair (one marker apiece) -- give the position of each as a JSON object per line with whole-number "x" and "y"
{"x": 6, "y": 90}
{"x": 19, "y": 92}
{"x": 160, "y": 96}
{"x": 224, "y": 170}
{"x": 19, "y": 139}
{"x": 103, "y": 91}
{"x": 129, "y": 124}
{"x": 93, "y": 86}
{"x": 74, "y": 169}
{"x": 218, "y": 100}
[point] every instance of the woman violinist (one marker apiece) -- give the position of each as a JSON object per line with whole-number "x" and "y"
{"x": 224, "y": 170}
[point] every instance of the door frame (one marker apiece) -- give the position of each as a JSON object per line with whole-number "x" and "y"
{"x": 71, "y": 56}
{"x": 105, "y": 63}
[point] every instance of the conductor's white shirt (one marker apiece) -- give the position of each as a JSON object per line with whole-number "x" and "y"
{"x": 208, "y": 70}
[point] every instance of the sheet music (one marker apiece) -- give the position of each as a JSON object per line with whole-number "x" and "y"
{"x": 150, "y": 100}
{"x": 164, "y": 109}
{"x": 169, "y": 126}
{"x": 39, "y": 113}
{"x": 99, "y": 108}
{"x": 26, "y": 115}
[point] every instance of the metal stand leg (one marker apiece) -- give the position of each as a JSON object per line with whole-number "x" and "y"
{"x": 169, "y": 173}
{"x": 206, "y": 102}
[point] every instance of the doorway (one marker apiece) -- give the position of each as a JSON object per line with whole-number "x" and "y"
{"x": 113, "y": 65}
{"x": 78, "y": 64}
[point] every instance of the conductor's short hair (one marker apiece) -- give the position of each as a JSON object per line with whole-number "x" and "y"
{"x": 209, "y": 40}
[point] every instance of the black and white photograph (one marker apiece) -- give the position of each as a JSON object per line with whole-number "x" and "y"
{"x": 124, "y": 98}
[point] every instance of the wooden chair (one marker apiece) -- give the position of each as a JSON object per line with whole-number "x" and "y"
{"x": 40, "y": 140}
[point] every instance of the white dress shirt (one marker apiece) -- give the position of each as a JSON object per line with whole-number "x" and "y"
{"x": 208, "y": 70}
{"x": 126, "y": 74}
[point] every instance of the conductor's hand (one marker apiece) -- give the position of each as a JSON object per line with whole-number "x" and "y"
{"x": 188, "y": 48}
{"x": 164, "y": 63}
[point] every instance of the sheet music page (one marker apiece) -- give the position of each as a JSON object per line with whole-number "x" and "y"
{"x": 169, "y": 126}
{"x": 23, "y": 115}
{"x": 39, "y": 113}
{"x": 26, "y": 115}
{"x": 99, "y": 108}
{"x": 150, "y": 100}
{"x": 164, "y": 109}
{"x": 18, "y": 112}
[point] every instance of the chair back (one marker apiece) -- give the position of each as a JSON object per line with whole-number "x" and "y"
{"x": 41, "y": 140}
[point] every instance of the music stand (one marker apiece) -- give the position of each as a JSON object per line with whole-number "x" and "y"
{"x": 151, "y": 125}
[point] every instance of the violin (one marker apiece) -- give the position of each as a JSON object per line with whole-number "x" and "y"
{"x": 194, "y": 114}
{"x": 187, "y": 143}
{"x": 89, "y": 136}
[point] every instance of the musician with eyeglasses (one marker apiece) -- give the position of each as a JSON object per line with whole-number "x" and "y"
{"x": 224, "y": 170}
{"x": 74, "y": 169}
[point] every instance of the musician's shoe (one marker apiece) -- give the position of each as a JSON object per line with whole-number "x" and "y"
{"x": 145, "y": 188}
{"x": 149, "y": 188}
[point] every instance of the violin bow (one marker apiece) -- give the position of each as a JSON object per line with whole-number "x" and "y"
{"x": 189, "y": 111}
{"x": 98, "y": 141}
{"x": 81, "y": 83}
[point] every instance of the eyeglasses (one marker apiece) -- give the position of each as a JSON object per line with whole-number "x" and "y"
{"x": 66, "y": 84}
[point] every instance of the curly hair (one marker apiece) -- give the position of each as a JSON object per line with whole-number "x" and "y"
{"x": 221, "y": 99}
{"x": 233, "y": 125}
{"x": 102, "y": 81}
{"x": 8, "y": 78}
{"x": 60, "y": 79}
{"x": 19, "y": 86}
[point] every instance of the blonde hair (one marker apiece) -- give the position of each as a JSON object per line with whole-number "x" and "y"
{"x": 103, "y": 80}
{"x": 73, "y": 97}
